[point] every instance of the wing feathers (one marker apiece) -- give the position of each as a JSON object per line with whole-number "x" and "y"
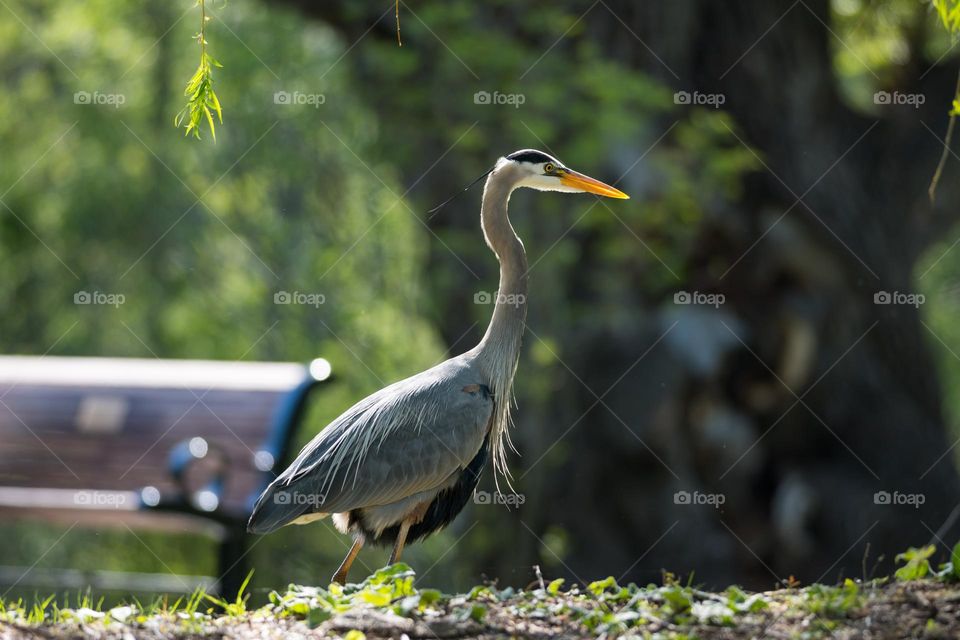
{"x": 407, "y": 438}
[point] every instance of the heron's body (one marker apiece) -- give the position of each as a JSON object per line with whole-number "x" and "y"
{"x": 425, "y": 433}
{"x": 403, "y": 462}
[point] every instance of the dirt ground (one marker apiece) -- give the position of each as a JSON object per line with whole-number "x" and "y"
{"x": 921, "y": 609}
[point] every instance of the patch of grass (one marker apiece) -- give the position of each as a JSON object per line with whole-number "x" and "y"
{"x": 239, "y": 606}
{"x": 829, "y": 605}
{"x": 833, "y": 602}
{"x": 390, "y": 603}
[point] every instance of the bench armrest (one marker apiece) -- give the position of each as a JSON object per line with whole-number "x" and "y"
{"x": 186, "y": 454}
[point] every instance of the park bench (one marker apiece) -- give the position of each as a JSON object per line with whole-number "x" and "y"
{"x": 178, "y": 445}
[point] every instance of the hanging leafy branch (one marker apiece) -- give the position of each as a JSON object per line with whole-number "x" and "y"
{"x": 202, "y": 102}
{"x": 949, "y": 13}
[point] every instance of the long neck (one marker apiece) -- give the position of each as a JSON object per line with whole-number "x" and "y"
{"x": 499, "y": 350}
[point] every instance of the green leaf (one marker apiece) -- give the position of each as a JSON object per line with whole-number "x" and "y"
{"x": 318, "y": 616}
{"x": 678, "y": 599}
{"x": 376, "y": 598}
{"x": 390, "y": 573}
{"x": 478, "y": 591}
{"x": 428, "y": 597}
{"x": 917, "y": 563}
{"x": 554, "y": 587}
{"x": 598, "y": 587}
{"x": 477, "y": 612}
{"x": 949, "y": 14}
{"x": 950, "y": 571}
{"x": 213, "y": 132}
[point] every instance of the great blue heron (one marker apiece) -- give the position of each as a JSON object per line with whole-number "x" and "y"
{"x": 401, "y": 463}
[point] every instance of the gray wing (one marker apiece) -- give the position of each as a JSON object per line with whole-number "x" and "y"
{"x": 404, "y": 439}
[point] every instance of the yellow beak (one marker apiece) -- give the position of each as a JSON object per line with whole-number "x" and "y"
{"x": 588, "y": 184}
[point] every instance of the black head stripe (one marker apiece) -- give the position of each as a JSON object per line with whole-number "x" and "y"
{"x": 531, "y": 155}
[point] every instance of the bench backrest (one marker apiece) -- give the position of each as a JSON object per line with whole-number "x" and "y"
{"x": 112, "y": 424}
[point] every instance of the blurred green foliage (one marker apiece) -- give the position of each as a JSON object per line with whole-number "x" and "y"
{"x": 938, "y": 278}
{"x": 198, "y": 238}
{"x": 949, "y": 13}
{"x": 99, "y": 195}
{"x": 873, "y": 39}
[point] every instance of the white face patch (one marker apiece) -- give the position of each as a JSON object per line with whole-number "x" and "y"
{"x": 541, "y": 182}
{"x": 536, "y": 178}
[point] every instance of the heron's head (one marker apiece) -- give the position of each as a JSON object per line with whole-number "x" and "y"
{"x": 543, "y": 172}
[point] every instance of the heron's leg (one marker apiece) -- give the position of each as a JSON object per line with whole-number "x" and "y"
{"x": 340, "y": 577}
{"x": 401, "y": 539}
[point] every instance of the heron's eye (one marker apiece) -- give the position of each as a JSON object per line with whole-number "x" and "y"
{"x": 549, "y": 168}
